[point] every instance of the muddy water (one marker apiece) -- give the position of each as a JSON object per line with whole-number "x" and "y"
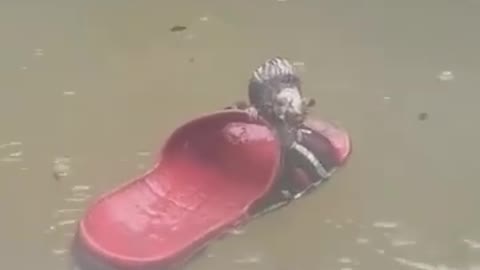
{"x": 88, "y": 89}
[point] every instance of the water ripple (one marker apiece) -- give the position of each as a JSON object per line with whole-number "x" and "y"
{"x": 77, "y": 188}
{"x": 446, "y": 76}
{"x": 362, "y": 240}
{"x": 345, "y": 260}
{"x": 421, "y": 265}
{"x": 248, "y": 260}
{"x": 61, "y": 167}
{"x": 385, "y": 225}
{"x": 13, "y": 143}
{"x": 472, "y": 243}
{"x": 401, "y": 243}
{"x": 66, "y": 222}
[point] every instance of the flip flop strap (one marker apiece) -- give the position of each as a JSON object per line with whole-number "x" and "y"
{"x": 310, "y": 157}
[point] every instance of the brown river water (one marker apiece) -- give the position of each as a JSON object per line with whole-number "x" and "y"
{"x": 90, "y": 89}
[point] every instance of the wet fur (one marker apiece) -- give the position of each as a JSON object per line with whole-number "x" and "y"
{"x": 265, "y": 86}
{"x": 267, "y": 92}
{"x": 268, "y": 81}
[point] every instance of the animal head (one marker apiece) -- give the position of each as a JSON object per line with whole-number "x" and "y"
{"x": 275, "y": 89}
{"x": 287, "y": 102}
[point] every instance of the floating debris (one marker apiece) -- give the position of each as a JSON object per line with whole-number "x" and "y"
{"x": 338, "y": 226}
{"x": 472, "y": 243}
{"x": 298, "y": 64}
{"x": 346, "y": 268}
{"x": 446, "y": 76}
{"x": 328, "y": 221}
{"x": 380, "y": 251}
{"x": 349, "y": 221}
{"x": 178, "y": 28}
{"x": 23, "y": 68}
{"x": 385, "y": 225}
{"x": 387, "y": 98}
{"x": 204, "y": 19}
{"x": 61, "y": 167}
{"x": 422, "y": 116}
{"x": 210, "y": 255}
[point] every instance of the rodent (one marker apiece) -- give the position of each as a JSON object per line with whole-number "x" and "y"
{"x": 275, "y": 93}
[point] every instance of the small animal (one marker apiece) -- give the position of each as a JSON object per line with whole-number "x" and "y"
{"x": 275, "y": 93}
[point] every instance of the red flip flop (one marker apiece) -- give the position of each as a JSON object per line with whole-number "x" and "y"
{"x": 212, "y": 174}
{"x": 211, "y": 171}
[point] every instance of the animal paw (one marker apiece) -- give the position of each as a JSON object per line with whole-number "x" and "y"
{"x": 252, "y": 113}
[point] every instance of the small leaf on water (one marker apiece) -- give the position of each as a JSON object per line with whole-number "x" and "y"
{"x": 178, "y": 28}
